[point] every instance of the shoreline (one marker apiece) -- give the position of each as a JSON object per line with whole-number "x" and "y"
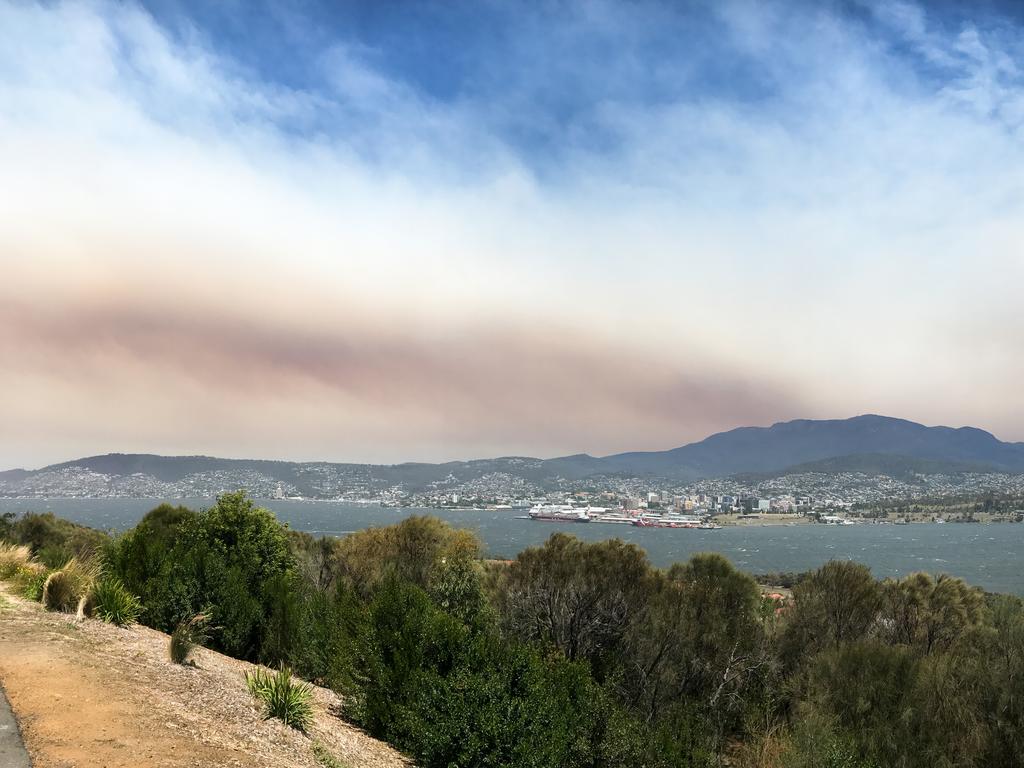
{"x": 724, "y": 520}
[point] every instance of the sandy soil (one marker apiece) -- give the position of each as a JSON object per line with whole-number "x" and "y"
{"x": 90, "y": 694}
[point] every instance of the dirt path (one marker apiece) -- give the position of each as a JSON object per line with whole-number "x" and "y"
{"x": 90, "y": 694}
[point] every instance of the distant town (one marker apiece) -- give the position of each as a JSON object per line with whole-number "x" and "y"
{"x": 797, "y": 497}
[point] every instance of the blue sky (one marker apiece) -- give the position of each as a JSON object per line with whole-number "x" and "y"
{"x": 540, "y": 76}
{"x": 387, "y": 231}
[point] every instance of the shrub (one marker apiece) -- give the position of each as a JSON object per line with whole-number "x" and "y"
{"x": 283, "y": 608}
{"x": 186, "y": 636}
{"x": 29, "y": 581}
{"x": 221, "y": 561}
{"x": 55, "y": 541}
{"x": 12, "y": 558}
{"x": 143, "y": 558}
{"x": 285, "y": 698}
{"x": 410, "y": 550}
{"x": 63, "y": 589}
{"x": 113, "y": 603}
{"x": 18, "y": 567}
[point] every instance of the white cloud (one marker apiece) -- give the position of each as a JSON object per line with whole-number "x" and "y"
{"x": 821, "y": 233}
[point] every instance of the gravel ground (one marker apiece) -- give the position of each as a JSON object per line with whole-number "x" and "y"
{"x": 88, "y": 693}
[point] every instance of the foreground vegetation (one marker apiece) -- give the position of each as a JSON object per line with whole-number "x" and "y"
{"x": 574, "y": 654}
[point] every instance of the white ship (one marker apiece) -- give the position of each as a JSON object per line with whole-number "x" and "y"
{"x": 615, "y": 518}
{"x": 559, "y": 513}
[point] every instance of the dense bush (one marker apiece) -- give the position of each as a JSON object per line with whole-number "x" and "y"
{"x": 455, "y": 694}
{"x": 54, "y": 541}
{"x": 142, "y": 559}
{"x": 226, "y": 561}
{"x": 584, "y": 655}
{"x": 411, "y": 551}
{"x": 576, "y": 598}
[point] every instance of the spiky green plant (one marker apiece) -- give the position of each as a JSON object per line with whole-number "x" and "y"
{"x": 113, "y": 603}
{"x": 186, "y": 636}
{"x": 63, "y": 589}
{"x": 284, "y": 697}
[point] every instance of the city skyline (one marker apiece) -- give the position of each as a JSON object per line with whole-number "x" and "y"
{"x": 416, "y": 232}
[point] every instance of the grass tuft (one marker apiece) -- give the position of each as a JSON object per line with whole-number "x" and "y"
{"x": 86, "y": 606}
{"x": 63, "y": 589}
{"x": 59, "y": 592}
{"x": 186, "y": 636}
{"x": 19, "y": 567}
{"x": 113, "y": 603}
{"x": 13, "y": 558}
{"x": 284, "y": 697}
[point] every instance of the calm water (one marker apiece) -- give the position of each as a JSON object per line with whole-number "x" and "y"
{"x": 988, "y": 556}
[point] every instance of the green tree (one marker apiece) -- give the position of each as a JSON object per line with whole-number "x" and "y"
{"x": 230, "y": 560}
{"x": 947, "y": 726}
{"x": 142, "y": 559}
{"x": 836, "y": 604}
{"x": 1004, "y": 682}
{"x": 726, "y": 655}
{"x": 932, "y": 614}
{"x": 454, "y": 694}
{"x": 575, "y": 597}
{"x": 865, "y": 688}
{"x": 412, "y": 550}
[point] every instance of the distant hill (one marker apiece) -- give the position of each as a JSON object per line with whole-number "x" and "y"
{"x": 874, "y": 464}
{"x": 869, "y": 444}
{"x": 171, "y": 468}
{"x": 783, "y": 445}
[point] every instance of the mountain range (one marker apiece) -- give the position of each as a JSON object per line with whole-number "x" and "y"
{"x": 870, "y": 444}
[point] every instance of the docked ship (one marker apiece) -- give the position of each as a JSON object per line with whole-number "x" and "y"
{"x": 559, "y": 513}
{"x": 613, "y": 518}
{"x": 660, "y": 522}
{"x": 674, "y": 521}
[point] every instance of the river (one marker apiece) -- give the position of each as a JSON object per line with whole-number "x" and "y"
{"x": 988, "y": 556}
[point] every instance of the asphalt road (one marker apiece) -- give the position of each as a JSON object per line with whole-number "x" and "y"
{"x": 12, "y": 750}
